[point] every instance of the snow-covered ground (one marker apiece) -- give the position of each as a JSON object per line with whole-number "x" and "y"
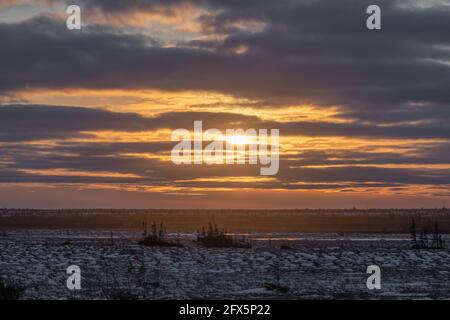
{"x": 324, "y": 266}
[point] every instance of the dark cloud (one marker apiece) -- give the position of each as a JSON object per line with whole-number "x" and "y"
{"x": 312, "y": 51}
{"x": 370, "y": 174}
{"x": 38, "y": 122}
{"x": 346, "y": 168}
{"x": 163, "y": 173}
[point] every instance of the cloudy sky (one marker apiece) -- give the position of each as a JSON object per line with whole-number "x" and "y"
{"x": 86, "y": 115}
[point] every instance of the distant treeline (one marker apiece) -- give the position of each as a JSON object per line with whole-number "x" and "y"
{"x": 304, "y": 220}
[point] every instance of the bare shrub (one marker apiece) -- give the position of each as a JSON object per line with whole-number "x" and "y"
{"x": 10, "y": 290}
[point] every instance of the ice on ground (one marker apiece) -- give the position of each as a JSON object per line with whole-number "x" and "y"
{"x": 315, "y": 266}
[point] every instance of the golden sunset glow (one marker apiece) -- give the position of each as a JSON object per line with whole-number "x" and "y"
{"x": 238, "y": 139}
{"x": 96, "y": 109}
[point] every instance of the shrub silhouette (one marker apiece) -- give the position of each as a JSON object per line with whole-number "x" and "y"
{"x": 215, "y": 238}
{"x": 10, "y": 290}
{"x": 277, "y": 272}
{"x": 437, "y": 241}
{"x": 156, "y": 237}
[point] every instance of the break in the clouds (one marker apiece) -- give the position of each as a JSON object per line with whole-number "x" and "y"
{"x": 388, "y": 90}
{"x": 27, "y": 160}
{"x": 38, "y": 122}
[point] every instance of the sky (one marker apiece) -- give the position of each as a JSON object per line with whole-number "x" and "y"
{"x": 86, "y": 115}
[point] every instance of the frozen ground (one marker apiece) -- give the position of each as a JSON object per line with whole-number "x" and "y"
{"x": 324, "y": 266}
